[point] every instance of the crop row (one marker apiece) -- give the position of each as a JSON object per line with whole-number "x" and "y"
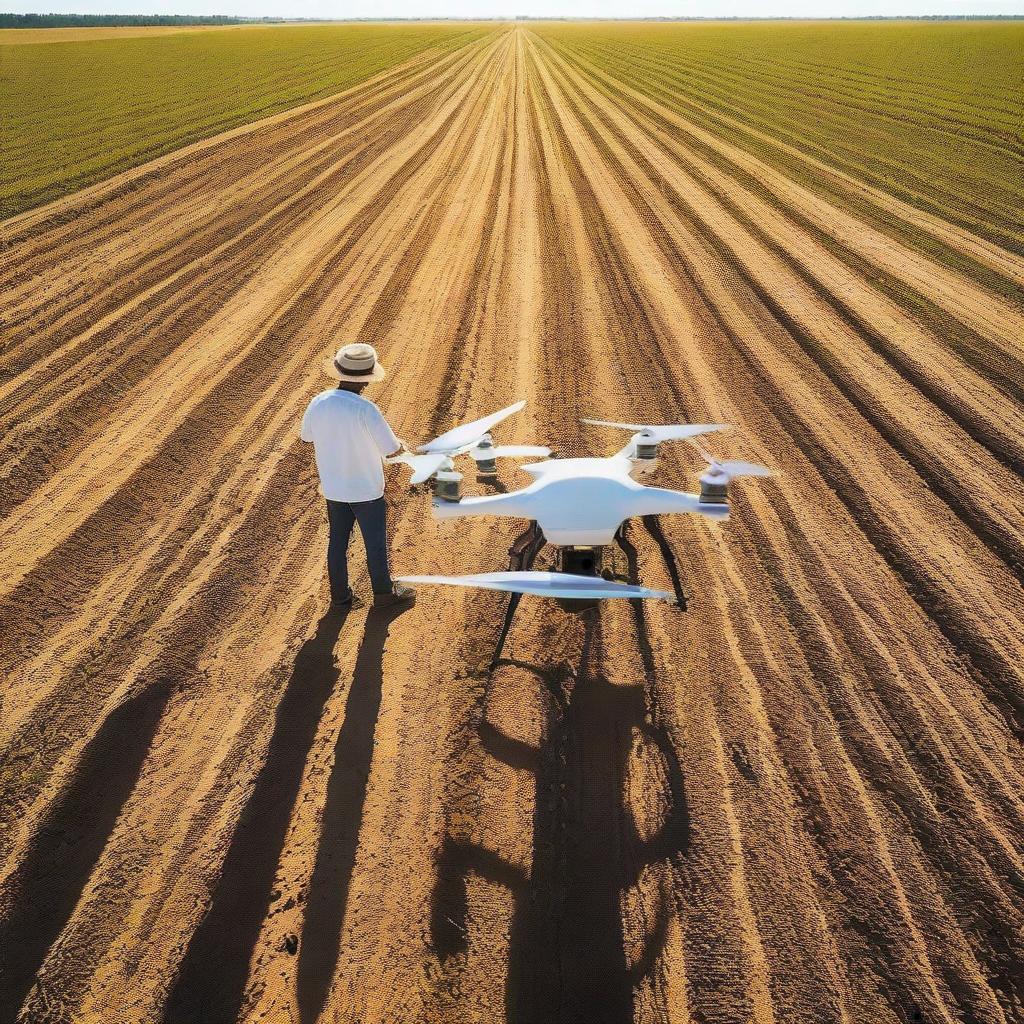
{"x": 928, "y": 112}
{"x": 81, "y": 111}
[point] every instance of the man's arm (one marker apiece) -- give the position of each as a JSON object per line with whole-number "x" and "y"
{"x": 380, "y": 430}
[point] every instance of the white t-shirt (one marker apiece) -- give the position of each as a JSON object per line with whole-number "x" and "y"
{"x": 351, "y": 437}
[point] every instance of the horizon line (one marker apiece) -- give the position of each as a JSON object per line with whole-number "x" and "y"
{"x": 278, "y": 19}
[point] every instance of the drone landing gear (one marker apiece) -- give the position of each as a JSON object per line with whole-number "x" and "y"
{"x": 653, "y": 527}
{"x": 582, "y": 561}
{"x": 521, "y": 557}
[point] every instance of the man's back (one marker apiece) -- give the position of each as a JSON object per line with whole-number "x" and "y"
{"x": 350, "y": 436}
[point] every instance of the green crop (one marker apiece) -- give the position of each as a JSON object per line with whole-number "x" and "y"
{"x": 927, "y": 111}
{"x": 77, "y": 112}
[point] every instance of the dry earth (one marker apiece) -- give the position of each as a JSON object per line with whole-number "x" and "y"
{"x": 801, "y": 801}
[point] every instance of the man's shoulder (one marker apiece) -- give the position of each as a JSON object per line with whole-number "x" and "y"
{"x": 367, "y": 405}
{"x": 359, "y": 404}
{"x": 322, "y": 397}
{"x": 338, "y": 400}
{"x": 342, "y": 402}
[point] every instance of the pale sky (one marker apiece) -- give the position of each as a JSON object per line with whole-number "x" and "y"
{"x": 536, "y": 8}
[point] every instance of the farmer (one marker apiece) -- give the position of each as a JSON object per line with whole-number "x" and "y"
{"x": 351, "y": 437}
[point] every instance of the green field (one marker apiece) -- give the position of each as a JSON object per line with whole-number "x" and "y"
{"x": 931, "y": 112}
{"x": 77, "y": 112}
{"x": 928, "y": 111}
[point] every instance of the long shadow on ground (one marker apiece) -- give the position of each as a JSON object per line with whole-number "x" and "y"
{"x": 566, "y": 956}
{"x": 211, "y": 981}
{"x": 50, "y": 880}
{"x": 343, "y": 813}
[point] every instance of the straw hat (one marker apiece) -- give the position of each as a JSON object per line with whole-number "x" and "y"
{"x": 356, "y": 363}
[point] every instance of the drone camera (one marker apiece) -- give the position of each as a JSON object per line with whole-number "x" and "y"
{"x": 646, "y": 451}
{"x": 580, "y": 561}
{"x": 448, "y": 485}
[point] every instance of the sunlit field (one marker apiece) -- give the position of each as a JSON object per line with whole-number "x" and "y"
{"x": 798, "y": 801}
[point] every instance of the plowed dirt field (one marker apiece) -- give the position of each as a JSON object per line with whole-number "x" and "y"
{"x": 799, "y": 801}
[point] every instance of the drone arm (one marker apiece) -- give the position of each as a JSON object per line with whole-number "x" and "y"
{"x": 515, "y": 505}
{"x": 629, "y": 452}
{"x": 660, "y": 501}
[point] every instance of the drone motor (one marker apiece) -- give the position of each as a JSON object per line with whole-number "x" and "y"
{"x": 714, "y": 489}
{"x": 486, "y": 464}
{"x": 646, "y": 451}
{"x": 714, "y": 481}
{"x": 448, "y": 485}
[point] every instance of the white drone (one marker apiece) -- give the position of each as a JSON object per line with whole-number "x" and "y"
{"x": 577, "y": 505}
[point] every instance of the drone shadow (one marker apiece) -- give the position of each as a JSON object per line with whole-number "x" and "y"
{"x": 566, "y": 958}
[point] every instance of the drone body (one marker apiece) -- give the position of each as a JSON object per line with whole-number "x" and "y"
{"x": 577, "y": 505}
{"x": 581, "y": 502}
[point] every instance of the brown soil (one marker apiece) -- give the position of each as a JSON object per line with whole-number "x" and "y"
{"x": 801, "y": 801}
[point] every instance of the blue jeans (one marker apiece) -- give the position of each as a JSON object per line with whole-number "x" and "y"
{"x": 372, "y": 519}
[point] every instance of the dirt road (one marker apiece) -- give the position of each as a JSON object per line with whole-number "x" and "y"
{"x": 801, "y": 801}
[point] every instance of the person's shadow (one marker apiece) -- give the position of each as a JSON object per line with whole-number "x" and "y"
{"x": 42, "y": 892}
{"x": 211, "y": 982}
{"x": 343, "y": 814}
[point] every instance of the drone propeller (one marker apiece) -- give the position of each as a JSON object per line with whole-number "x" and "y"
{"x": 664, "y": 432}
{"x": 509, "y": 451}
{"x": 729, "y": 469}
{"x": 468, "y": 433}
{"x": 423, "y": 466}
{"x": 546, "y": 584}
{"x": 733, "y": 468}
{"x": 471, "y": 439}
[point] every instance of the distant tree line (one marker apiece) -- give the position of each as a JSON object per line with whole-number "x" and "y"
{"x": 125, "y": 20}
{"x": 95, "y": 20}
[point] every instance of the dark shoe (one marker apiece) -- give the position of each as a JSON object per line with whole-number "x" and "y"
{"x": 400, "y": 594}
{"x": 343, "y": 602}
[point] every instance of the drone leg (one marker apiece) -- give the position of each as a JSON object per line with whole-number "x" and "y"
{"x": 513, "y": 604}
{"x": 522, "y": 555}
{"x": 630, "y": 551}
{"x": 653, "y": 527}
